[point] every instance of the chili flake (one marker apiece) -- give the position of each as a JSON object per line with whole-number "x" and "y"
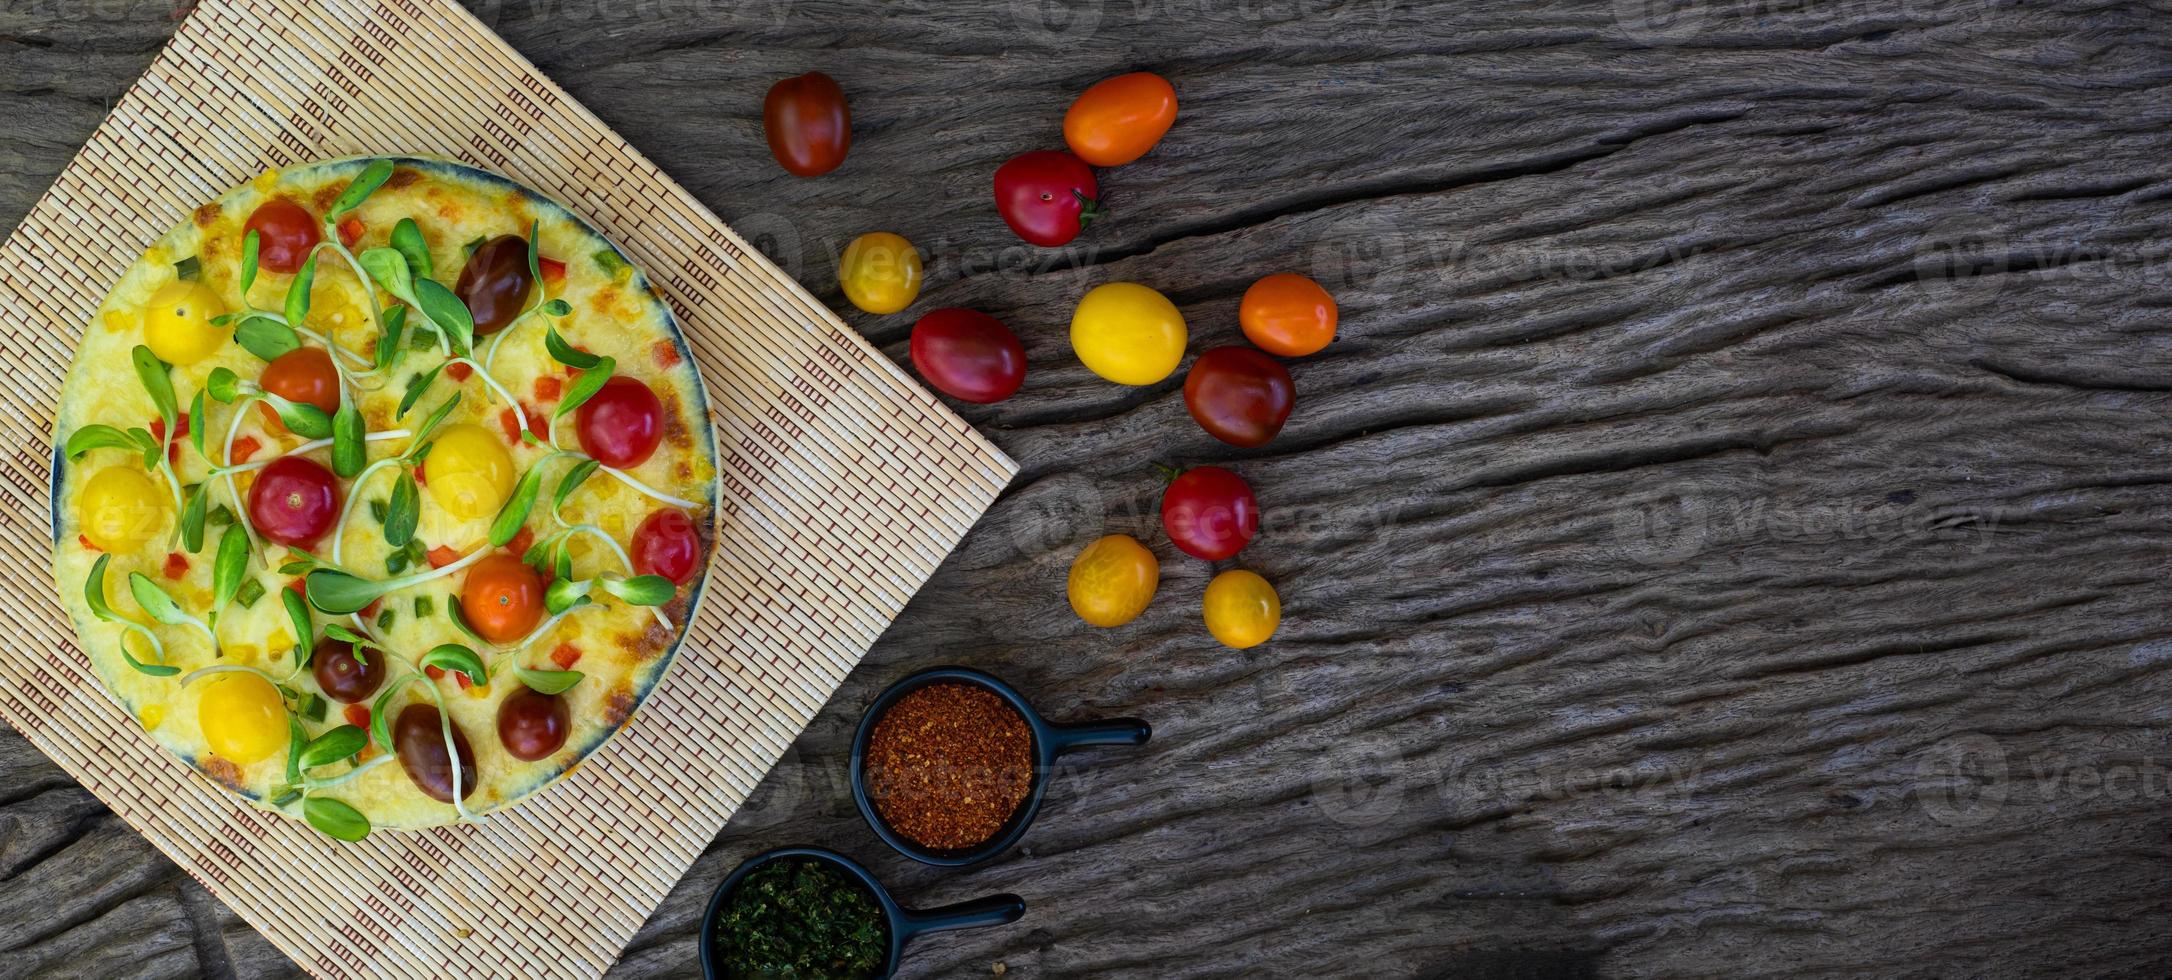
{"x": 948, "y": 764}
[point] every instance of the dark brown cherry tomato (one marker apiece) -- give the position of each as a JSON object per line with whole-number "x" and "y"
{"x": 294, "y": 501}
{"x": 285, "y": 232}
{"x": 968, "y": 355}
{"x": 502, "y": 598}
{"x": 1239, "y": 395}
{"x": 1047, "y": 196}
{"x": 343, "y": 676}
{"x": 420, "y": 743}
{"x": 667, "y": 544}
{"x": 808, "y": 123}
{"x": 532, "y": 725}
{"x": 304, "y": 374}
{"x": 1209, "y": 513}
{"x": 495, "y": 283}
{"x": 621, "y": 424}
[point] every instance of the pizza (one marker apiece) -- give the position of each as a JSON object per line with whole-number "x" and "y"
{"x": 382, "y": 492}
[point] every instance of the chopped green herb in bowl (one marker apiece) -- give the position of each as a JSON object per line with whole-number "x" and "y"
{"x": 802, "y": 918}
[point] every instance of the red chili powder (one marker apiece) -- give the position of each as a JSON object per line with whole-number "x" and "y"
{"x": 948, "y": 764}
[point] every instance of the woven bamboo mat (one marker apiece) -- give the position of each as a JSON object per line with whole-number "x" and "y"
{"x": 843, "y": 486}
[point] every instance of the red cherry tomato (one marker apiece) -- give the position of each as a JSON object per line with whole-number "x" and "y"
{"x": 667, "y": 544}
{"x": 294, "y": 501}
{"x": 621, "y": 424}
{"x": 1209, "y": 513}
{"x": 968, "y": 354}
{"x": 1047, "y": 196}
{"x": 1239, "y": 395}
{"x": 502, "y": 598}
{"x": 285, "y": 232}
{"x": 305, "y": 375}
{"x": 808, "y": 123}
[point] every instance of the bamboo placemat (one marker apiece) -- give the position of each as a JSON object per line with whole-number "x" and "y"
{"x": 843, "y": 485}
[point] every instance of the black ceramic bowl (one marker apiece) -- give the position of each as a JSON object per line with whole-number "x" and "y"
{"x": 903, "y": 923}
{"x": 1049, "y": 741}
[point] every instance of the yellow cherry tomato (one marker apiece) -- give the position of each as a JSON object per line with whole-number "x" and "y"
{"x": 1128, "y": 333}
{"x": 242, "y": 718}
{"x": 880, "y": 272}
{"x": 1112, "y": 581}
{"x": 120, "y": 509}
{"x": 468, "y": 471}
{"x": 177, "y": 322}
{"x": 1242, "y": 610}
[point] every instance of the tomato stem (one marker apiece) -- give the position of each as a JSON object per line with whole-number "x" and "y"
{"x": 1168, "y": 473}
{"x": 1088, "y": 208}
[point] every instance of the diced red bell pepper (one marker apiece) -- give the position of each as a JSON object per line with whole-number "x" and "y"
{"x": 436, "y": 673}
{"x": 358, "y": 716}
{"x": 554, "y": 271}
{"x": 442, "y": 556}
{"x": 666, "y": 353}
{"x": 548, "y": 388}
{"x": 176, "y": 566}
{"x": 565, "y": 656}
{"x": 519, "y": 544}
{"x": 85, "y": 539}
{"x": 350, "y": 231}
{"x": 459, "y": 372}
{"x": 244, "y": 447}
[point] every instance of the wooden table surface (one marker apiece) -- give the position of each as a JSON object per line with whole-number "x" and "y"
{"x": 1726, "y": 539}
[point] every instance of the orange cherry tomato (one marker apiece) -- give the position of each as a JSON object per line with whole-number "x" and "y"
{"x": 1288, "y": 315}
{"x": 502, "y": 598}
{"x": 304, "y": 375}
{"x": 1119, "y": 119}
{"x": 285, "y": 233}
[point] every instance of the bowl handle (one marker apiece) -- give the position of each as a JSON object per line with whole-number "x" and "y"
{"x": 1114, "y": 731}
{"x": 995, "y": 910}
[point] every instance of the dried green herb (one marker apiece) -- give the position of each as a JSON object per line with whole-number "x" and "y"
{"x": 802, "y": 917}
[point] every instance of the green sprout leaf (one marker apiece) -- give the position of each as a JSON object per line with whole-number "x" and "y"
{"x": 94, "y": 595}
{"x": 564, "y": 594}
{"x": 296, "y": 739}
{"x": 640, "y": 590}
{"x": 228, "y": 568}
{"x": 454, "y": 657}
{"x": 152, "y": 372}
{"x": 415, "y": 388}
{"x": 429, "y": 425}
{"x": 197, "y": 424}
{"x": 367, "y": 183}
{"x": 251, "y": 245}
{"x": 557, "y": 307}
{"x": 405, "y": 510}
{"x": 193, "y": 514}
{"x": 266, "y": 338}
{"x": 298, "y": 292}
{"x": 97, "y": 436}
{"x": 514, "y": 514}
{"x": 390, "y": 270}
{"x": 381, "y": 712}
{"x": 565, "y": 353}
{"x": 343, "y": 634}
{"x": 407, "y": 238}
{"x": 572, "y": 481}
{"x": 388, "y": 346}
{"x": 548, "y": 681}
{"x": 301, "y": 418}
{"x": 335, "y": 819}
{"x": 223, "y": 385}
{"x": 155, "y": 601}
{"x": 445, "y": 309}
{"x": 305, "y": 631}
{"x": 350, "y": 450}
{"x": 339, "y": 743}
{"x": 586, "y": 386}
{"x": 340, "y": 593}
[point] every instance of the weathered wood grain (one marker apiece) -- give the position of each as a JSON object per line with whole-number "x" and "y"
{"x": 1726, "y": 540}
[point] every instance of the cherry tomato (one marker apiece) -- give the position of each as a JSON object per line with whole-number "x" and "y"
{"x": 177, "y": 322}
{"x": 294, "y": 501}
{"x": 468, "y": 471}
{"x": 242, "y": 718}
{"x": 1241, "y": 609}
{"x": 1112, "y": 581}
{"x": 1128, "y": 333}
{"x": 880, "y": 272}
{"x": 968, "y": 354}
{"x": 502, "y": 598}
{"x": 668, "y": 544}
{"x": 1119, "y": 119}
{"x": 495, "y": 283}
{"x": 1209, "y": 513}
{"x": 1047, "y": 196}
{"x": 418, "y": 738}
{"x": 808, "y": 123}
{"x": 342, "y": 674}
{"x": 532, "y": 725}
{"x": 621, "y": 424}
{"x": 304, "y": 375}
{"x": 120, "y": 509}
{"x": 1239, "y": 395}
{"x": 1288, "y": 314}
{"x": 285, "y": 232}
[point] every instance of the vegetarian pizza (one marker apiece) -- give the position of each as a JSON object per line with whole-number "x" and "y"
{"x": 382, "y": 492}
